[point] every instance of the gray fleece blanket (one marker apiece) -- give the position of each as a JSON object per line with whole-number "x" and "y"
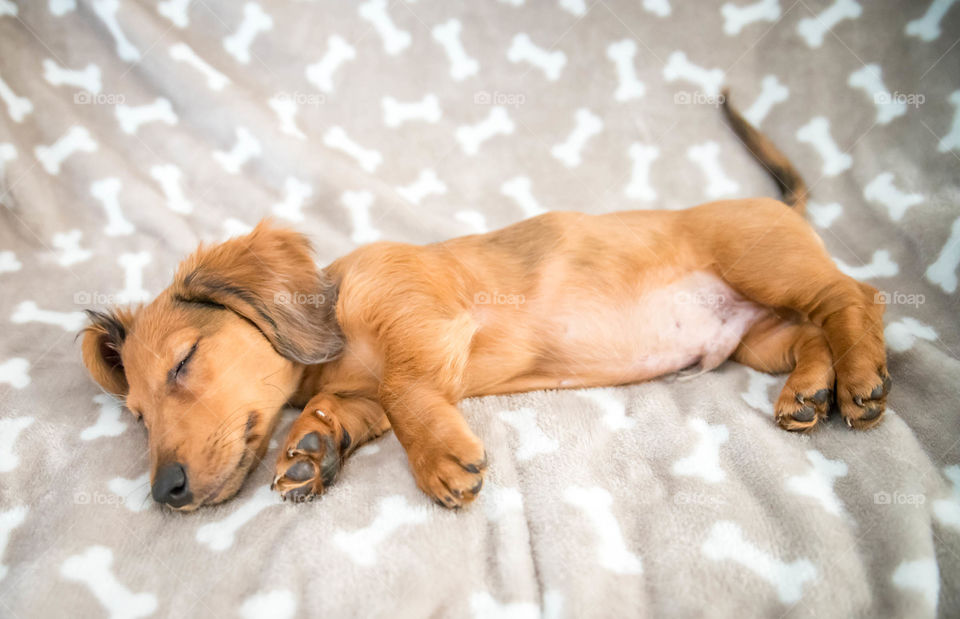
{"x": 131, "y": 131}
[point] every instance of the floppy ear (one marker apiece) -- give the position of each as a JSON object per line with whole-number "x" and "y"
{"x": 269, "y": 277}
{"x": 102, "y": 340}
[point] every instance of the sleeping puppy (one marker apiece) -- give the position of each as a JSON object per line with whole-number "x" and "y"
{"x": 392, "y": 336}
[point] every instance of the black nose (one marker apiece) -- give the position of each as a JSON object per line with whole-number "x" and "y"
{"x": 170, "y": 485}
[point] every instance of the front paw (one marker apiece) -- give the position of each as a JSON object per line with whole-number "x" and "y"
{"x": 311, "y": 458}
{"x": 451, "y": 480}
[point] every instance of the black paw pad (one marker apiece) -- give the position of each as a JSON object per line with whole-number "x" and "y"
{"x": 310, "y": 442}
{"x": 300, "y": 471}
{"x": 807, "y": 413}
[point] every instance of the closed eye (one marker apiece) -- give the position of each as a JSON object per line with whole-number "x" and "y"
{"x": 180, "y": 368}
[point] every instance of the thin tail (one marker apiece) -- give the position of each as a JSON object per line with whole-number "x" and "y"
{"x": 792, "y": 187}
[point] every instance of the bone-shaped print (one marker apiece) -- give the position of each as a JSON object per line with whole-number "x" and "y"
{"x": 946, "y": 511}
{"x": 246, "y": 148}
{"x": 295, "y": 196}
{"x": 704, "y": 460}
{"x": 881, "y": 189}
{"x": 660, "y": 8}
{"x": 531, "y": 440}
{"x": 16, "y": 373}
{"x": 133, "y": 265}
{"x": 475, "y": 219}
{"x": 7, "y": 7}
{"x": 87, "y": 78}
{"x": 11, "y": 427}
{"x": 9, "y": 520}
{"x": 520, "y": 190}
{"x": 133, "y": 492}
{"x": 757, "y": 394}
{"x": 109, "y": 422}
{"x": 772, "y": 92}
{"x": 255, "y": 21}
{"x": 499, "y": 502}
{"x": 678, "y": 67}
{"x": 8, "y": 152}
{"x": 170, "y": 178}
{"x": 612, "y": 552}
{"x": 107, "y": 192}
{"x": 175, "y": 11}
{"x": 817, "y": 134}
{"x": 28, "y": 311}
{"x": 587, "y": 124}
{"x": 233, "y": 227}
{"x": 93, "y": 568}
{"x": 62, "y": 7}
{"x": 17, "y": 107}
{"x": 707, "y": 158}
{"x": 336, "y": 137}
{"x": 522, "y": 49}
{"x": 880, "y": 265}
{"x": 823, "y": 215}
{"x": 321, "y": 73}
{"x": 182, "y": 52}
{"x": 277, "y": 604}
{"x": 901, "y": 335}
{"x": 394, "y": 39}
{"x": 395, "y": 113}
{"x": 814, "y": 29}
{"x": 106, "y": 10}
{"x": 497, "y": 122}
{"x": 9, "y": 262}
{"x": 869, "y": 79}
{"x": 76, "y": 139}
{"x": 920, "y": 576}
{"x": 614, "y": 410}
{"x": 69, "y": 245}
{"x": 736, "y": 17}
{"x": 286, "y": 109}
{"x": 574, "y": 7}
{"x": 642, "y": 157}
{"x": 132, "y": 117}
{"x": 622, "y": 53}
{"x": 358, "y": 205}
{"x": 427, "y": 184}
{"x": 447, "y": 35}
{"x": 818, "y": 482}
{"x": 943, "y": 272}
{"x": 927, "y": 28}
{"x": 393, "y": 512}
{"x": 220, "y": 535}
{"x": 951, "y": 141}
{"x": 727, "y": 543}
{"x": 485, "y": 606}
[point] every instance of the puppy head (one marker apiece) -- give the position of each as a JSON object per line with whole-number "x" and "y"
{"x": 209, "y": 364}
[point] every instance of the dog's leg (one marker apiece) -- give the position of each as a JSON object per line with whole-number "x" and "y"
{"x": 447, "y": 458}
{"x": 776, "y": 345}
{"x": 770, "y": 255}
{"x": 327, "y": 431}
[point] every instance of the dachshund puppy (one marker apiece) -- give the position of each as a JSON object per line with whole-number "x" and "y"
{"x": 392, "y": 336}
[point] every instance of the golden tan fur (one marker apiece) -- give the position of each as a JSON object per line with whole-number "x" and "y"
{"x": 394, "y": 335}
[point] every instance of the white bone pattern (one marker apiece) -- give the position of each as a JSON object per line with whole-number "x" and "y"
{"x": 814, "y": 29}
{"x": 882, "y": 190}
{"x": 642, "y": 156}
{"x": 255, "y": 21}
{"x": 951, "y": 141}
{"x": 131, "y": 118}
{"x": 880, "y": 265}
{"x": 531, "y": 440}
{"x": 296, "y": 193}
{"x": 395, "y": 113}
{"x": 823, "y": 215}
{"x": 704, "y": 460}
{"x": 447, "y": 35}
{"x": 614, "y": 410}
{"x": 336, "y": 137}
{"x": 901, "y": 335}
{"x": 622, "y": 53}
{"x": 10, "y": 519}
{"x": 170, "y": 178}
{"x": 107, "y": 10}
{"x": 12, "y": 427}
{"x": 497, "y": 122}
{"x": 612, "y": 552}
{"x": 247, "y": 148}
{"x": 818, "y": 482}
{"x": 109, "y": 422}
{"x": 757, "y": 394}
{"x": 869, "y": 79}
{"x": 277, "y": 604}
{"x": 77, "y": 139}
{"x": 358, "y": 205}
{"x": 175, "y": 11}
{"x": 587, "y": 124}
{"x": 28, "y": 311}
{"x": 735, "y": 17}
{"x": 286, "y": 109}
{"x": 393, "y": 512}
{"x": 132, "y": 492}
{"x": 921, "y": 576}
{"x": 182, "y": 52}
{"x": 9, "y": 262}
{"x": 133, "y": 265}
{"x": 476, "y": 220}
{"x": 107, "y": 192}
{"x": 394, "y": 39}
{"x": 927, "y": 27}
{"x": 661, "y": 8}
{"x": 15, "y": 372}
{"x": 321, "y": 73}
{"x": 87, "y": 78}
{"x": 678, "y": 67}
{"x": 17, "y": 107}
{"x": 221, "y": 534}
{"x": 943, "y": 272}
{"x": 707, "y": 158}
{"x": 93, "y": 568}
{"x": 485, "y": 606}
{"x": 817, "y": 134}
{"x": 522, "y": 49}
{"x": 771, "y": 93}
{"x": 426, "y": 184}
{"x": 519, "y": 189}
{"x": 947, "y": 511}
{"x": 62, "y": 7}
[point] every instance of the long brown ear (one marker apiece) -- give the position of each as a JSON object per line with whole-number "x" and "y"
{"x": 268, "y": 277}
{"x": 102, "y": 340}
